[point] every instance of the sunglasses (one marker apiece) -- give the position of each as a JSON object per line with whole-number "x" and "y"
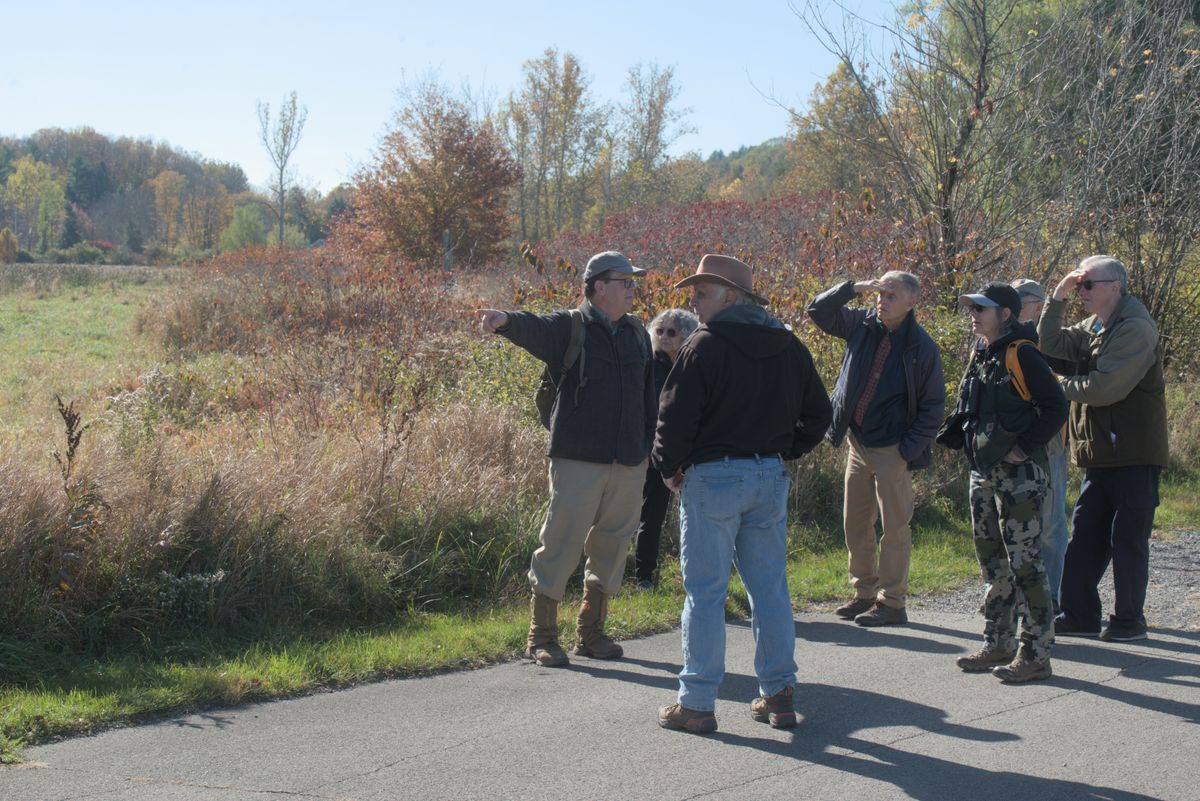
{"x": 628, "y": 283}
{"x": 658, "y": 332}
{"x": 1089, "y": 283}
{"x": 975, "y": 307}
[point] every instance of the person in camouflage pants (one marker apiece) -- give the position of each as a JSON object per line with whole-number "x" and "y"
{"x": 1006, "y": 505}
{"x": 1009, "y": 406}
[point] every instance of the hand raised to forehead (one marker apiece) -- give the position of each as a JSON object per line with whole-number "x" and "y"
{"x": 872, "y": 285}
{"x": 1068, "y": 283}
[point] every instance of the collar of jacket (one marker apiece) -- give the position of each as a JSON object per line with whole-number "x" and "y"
{"x": 874, "y": 323}
{"x": 1129, "y": 307}
{"x": 1018, "y": 331}
{"x": 747, "y": 314}
{"x": 591, "y": 314}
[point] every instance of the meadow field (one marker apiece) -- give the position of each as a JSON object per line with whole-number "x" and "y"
{"x": 281, "y": 479}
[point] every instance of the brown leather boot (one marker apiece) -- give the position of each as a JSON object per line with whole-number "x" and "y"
{"x": 589, "y": 629}
{"x": 542, "y": 644}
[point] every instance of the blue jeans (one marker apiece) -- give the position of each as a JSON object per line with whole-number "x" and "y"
{"x": 1054, "y": 521}
{"x": 735, "y": 511}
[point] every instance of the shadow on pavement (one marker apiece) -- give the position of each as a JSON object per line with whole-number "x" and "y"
{"x": 833, "y": 716}
{"x": 853, "y": 636}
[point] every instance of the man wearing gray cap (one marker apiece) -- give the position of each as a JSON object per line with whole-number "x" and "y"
{"x": 1054, "y": 508}
{"x": 601, "y": 426}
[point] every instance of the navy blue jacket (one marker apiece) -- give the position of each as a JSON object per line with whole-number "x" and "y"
{"x": 924, "y": 384}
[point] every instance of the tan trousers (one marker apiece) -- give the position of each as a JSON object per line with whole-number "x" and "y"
{"x": 594, "y": 510}
{"x": 878, "y": 482}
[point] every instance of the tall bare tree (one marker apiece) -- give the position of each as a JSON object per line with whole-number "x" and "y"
{"x": 948, "y": 107}
{"x": 1124, "y": 133}
{"x": 555, "y": 131}
{"x": 280, "y": 140}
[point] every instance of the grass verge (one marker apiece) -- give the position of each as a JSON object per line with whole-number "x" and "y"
{"x": 71, "y": 697}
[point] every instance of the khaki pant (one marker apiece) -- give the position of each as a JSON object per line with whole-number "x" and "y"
{"x": 594, "y": 510}
{"x": 878, "y": 482}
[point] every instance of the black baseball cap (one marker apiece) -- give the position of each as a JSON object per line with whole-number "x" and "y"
{"x": 996, "y": 294}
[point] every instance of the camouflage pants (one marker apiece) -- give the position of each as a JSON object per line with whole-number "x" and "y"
{"x": 1006, "y": 516}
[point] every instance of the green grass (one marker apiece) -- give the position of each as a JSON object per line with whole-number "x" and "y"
{"x": 74, "y": 336}
{"x": 70, "y": 697}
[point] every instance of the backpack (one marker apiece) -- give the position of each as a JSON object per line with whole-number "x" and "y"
{"x": 1018, "y": 375}
{"x": 547, "y": 390}
{"x": 1014, "y": 367}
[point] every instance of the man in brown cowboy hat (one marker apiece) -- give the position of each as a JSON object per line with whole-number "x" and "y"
{"x": 888, "y": 402}
{"x": 742, "y": 397}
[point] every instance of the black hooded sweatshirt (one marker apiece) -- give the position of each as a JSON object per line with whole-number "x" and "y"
{"x": 742, "y": 385}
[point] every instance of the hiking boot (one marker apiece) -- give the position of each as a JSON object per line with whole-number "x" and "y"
{"x": 882, "y": 615}
{"x": 1021, "y": 670}
{"x": 1066, "y": 627}
{"x": 542, "y": 643}
{"x": 851, "y": 610}
{"x": 680, "y": 718}
{"x": 778, "y": 709}
{"x": 1121, "y": 631}
{"x": 589, "y": 628}
{"x": 984, "y": 660}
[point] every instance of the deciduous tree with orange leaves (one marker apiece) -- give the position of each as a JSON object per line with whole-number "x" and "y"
{"x": 438, "y": 188}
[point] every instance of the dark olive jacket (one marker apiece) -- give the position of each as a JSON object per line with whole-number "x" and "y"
{"x": 607, "y": 414}
{"x": 1118, "y": 399}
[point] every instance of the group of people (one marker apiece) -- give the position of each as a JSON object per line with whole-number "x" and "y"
{"x": 710, "y": 405}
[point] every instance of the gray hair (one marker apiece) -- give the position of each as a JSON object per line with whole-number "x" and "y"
{"x": 740, "y": 298}
{"x": 910, "y": 282}
{"x": 1113, "y": 268}
{"x": 685, "y": 322}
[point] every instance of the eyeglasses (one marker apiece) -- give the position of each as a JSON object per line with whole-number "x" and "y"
{"x": 658, "y": 332}
{"x": 1089, "y": 283}
{"x": 628, "y": 283}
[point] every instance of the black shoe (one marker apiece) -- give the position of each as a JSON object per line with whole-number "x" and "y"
{"x": 1066, "y": 627}
{"x": 882, "y": 615}
{"x": 1119, "y": 631}
{"x": 854, "y": 608}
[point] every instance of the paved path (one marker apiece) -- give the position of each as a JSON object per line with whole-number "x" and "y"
{"x": 886, "y": 715}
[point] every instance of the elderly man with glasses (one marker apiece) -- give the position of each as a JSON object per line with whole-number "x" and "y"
{"x": 601, "y": 428}
{"x": 1118, "y": 435}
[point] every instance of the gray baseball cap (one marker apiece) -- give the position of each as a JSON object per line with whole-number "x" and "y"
{"x": 1029, "y": 287}
{"x": 610, "y": 261}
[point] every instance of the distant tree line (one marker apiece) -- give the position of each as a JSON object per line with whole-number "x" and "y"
{"x": 77, "y": 195}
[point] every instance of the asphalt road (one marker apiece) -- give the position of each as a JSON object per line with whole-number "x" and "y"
{"x": 886, "y": 715}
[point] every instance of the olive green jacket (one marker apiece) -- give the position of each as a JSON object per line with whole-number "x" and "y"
{"x": 1118, "y": 399}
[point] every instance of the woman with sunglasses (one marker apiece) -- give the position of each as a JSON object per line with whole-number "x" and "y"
{"x": 1009, "y": 407}
{"x": 668, "y": 331}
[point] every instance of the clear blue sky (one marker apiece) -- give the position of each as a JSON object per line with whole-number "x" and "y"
{"x": 190, "y": 74}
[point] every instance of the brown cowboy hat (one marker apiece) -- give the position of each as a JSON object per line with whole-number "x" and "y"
{"x": 724, "y": 270}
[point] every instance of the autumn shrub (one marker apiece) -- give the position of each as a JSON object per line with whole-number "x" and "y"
{"x": 225, "y": 531}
